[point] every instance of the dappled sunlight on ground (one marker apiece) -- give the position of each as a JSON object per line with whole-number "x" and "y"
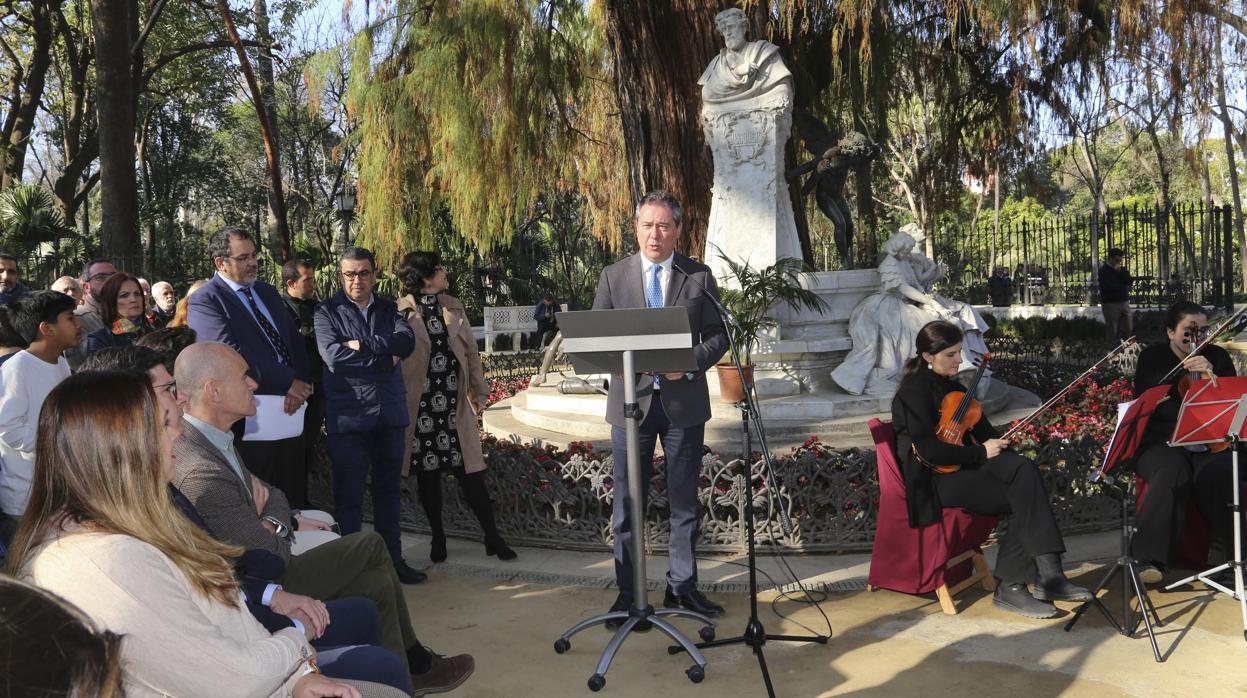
{"x": 884, "y": 644}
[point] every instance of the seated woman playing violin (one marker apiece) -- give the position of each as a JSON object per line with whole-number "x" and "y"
{"x": 979, "y": 474}
{"x": 1175, "y": 473}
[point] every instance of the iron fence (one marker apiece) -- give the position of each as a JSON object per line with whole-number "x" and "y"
{"x": 832, "y": 496}
{"x": 1182, "y": 252}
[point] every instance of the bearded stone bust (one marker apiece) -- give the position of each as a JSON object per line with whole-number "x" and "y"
{"x": 743, "y": 71}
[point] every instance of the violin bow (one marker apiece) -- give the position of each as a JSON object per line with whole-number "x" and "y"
{"x": 1224, "y": 328}
{"x": 1057, "y": 398}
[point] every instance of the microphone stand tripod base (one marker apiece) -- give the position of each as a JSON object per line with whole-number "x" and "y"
{"x": 755, "y": 635}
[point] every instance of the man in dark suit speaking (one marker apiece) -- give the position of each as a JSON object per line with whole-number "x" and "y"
{"x": 236, "y": 309}
{"x": 675, "y": 406}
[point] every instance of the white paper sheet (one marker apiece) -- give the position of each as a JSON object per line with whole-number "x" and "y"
{"x": 270, "y": 421}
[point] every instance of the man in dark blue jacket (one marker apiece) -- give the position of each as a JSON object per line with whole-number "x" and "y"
{"x": 249, "y": 315}
{"x": 11, "y": 286}
{"x": 362, "y": 339}
{"x": 1115, "y": 284}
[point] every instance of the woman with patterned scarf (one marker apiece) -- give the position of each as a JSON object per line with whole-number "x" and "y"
{"x": 122, "y": 307}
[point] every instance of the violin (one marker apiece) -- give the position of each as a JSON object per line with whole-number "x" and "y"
{"x": 959, "y": 413}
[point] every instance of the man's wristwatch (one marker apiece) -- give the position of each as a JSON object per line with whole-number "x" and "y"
{"x": 283, "y": 531}
{"x": 689, "y": 375}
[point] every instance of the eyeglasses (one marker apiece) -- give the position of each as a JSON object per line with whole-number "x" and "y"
{"x": 101, "y": 276}
{"x": 352, "y": 275}
{"x": 171, "y": 387}
{"x": 244, "y": 258}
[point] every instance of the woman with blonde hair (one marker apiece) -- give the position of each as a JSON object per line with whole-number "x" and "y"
{"x": 181, "y": 310}
{"x": 102, "y": 532}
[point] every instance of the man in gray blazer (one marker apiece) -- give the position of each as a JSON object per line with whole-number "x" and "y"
{"x": 676, "y": 406}
{"x": 246, "y": 511}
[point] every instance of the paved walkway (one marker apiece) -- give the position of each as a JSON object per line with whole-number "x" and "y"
{"x": 884, "y": 644}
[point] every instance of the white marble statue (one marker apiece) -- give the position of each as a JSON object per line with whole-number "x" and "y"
{"x": 746, "y": 94}
{"x": 884, "y": 325}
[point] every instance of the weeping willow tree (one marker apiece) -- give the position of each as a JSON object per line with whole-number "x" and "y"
{"x": 483, "y": 106}
{"x": 479, "y": 106}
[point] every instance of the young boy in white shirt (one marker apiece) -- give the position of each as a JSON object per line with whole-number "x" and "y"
{"x": 46, "y": 320}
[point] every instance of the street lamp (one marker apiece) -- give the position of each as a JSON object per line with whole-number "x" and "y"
{"x": 346, "y": 212}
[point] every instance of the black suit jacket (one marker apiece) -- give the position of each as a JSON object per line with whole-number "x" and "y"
{"x": 686, "y": 402}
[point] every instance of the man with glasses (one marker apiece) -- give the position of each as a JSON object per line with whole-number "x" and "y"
{"x": 247, "y": 314}
{"x": 94, "y": 275}
{"x": 362, "y": 338}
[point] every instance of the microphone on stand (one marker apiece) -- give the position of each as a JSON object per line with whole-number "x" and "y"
{"x": 730, "y": 321}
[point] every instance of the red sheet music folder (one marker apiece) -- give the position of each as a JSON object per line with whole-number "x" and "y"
{"x": 1130, "y": 428}
{"x": 1209, "y": 411}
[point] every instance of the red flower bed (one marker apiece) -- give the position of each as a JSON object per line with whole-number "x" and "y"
{"x": 1087, "y": 414}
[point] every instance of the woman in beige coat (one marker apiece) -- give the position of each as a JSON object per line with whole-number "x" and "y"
{"x": 102, "y": 532}
{"x": 446, "y": 389}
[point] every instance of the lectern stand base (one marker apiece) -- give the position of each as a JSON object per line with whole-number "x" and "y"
{"x": 636, "y": 621}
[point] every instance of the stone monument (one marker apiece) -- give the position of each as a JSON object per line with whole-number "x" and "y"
{"x": 883, "y": 327}
{"x": 746, "y": 94}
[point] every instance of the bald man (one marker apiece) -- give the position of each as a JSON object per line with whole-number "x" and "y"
{"x": 245, "y": 511}
{"x": 69, "y": 286}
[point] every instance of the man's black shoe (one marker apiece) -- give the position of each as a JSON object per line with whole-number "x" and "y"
{"x": 407, "y": 574}
{"x": 694, "y": 601}
{"x": 622, "y": 603}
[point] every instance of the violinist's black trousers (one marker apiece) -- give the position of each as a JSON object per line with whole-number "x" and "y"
{"x": 1175, "y": 478}
{"x": 1008, "y": 485}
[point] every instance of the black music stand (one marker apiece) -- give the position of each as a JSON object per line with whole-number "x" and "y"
{"x": 629, "y": 342}
{"x": 1213, "y": 412}
{"x": 1122, "y": 447}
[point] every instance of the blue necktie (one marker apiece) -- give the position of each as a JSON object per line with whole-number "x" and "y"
{"x": 653, "y": 290}
{"x": 653, "y": 297}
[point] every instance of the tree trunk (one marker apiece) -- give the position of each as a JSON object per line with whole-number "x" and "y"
{"x": 268, "y": 92}
{"x": 114, "y": 99}
{"x": 660, "y": 48}
{"x": 1227, "y": 126}
{"x": 21, "y": 120}
{"x": 271, "y": 154}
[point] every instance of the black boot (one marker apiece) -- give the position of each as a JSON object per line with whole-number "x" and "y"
{"x": 1014, "y": 596}
{"x": 437, "y": 547}
{"x": 1051, "y": 583}
{"x": 429, "y": 490}
{"x": 475, "y": 492}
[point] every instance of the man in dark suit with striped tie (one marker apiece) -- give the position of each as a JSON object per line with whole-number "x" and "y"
{"x": 676, "y": 406}
{"x": 236, "y": 309}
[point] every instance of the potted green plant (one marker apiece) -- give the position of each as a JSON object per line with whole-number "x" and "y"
{"x": 752, "y": 297}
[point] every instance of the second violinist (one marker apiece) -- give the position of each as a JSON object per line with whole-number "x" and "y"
{"x": 1176, "y": 474}
{"x": 991, "y": 480}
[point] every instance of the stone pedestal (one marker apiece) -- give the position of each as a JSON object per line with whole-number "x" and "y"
{"x": 751, "y": 219}
{"x": 799, "y": 356}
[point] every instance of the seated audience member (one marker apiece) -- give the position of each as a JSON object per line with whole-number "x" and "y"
{"x": 169, "y": 342}
{"x": 45, "y": 320}
{"x": 102, "y": 533}
{"x": 69, "y": 286}
{"x": 50, "y": 648}
{"x": 10, "y": 341}
{"x": 344, "y": 632}
{"x": 245, "y": 511}
{"x": 123, "y": 308}
{"x": 183, "y": 306}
